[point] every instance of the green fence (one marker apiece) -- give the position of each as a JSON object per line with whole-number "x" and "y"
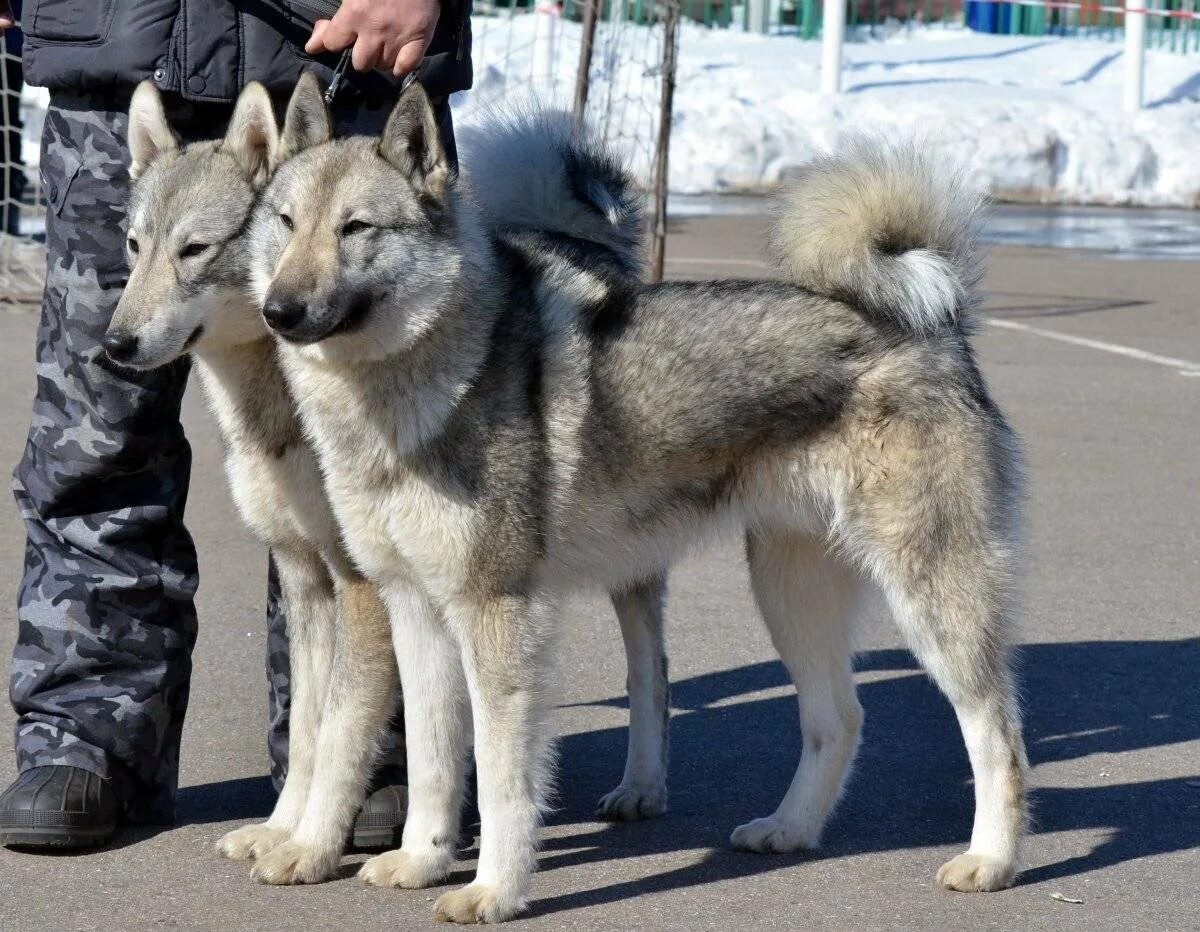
{"x": 876, "y": 17}
{"x": 803, "y": 18}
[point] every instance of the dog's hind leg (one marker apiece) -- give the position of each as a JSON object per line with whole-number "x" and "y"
{"x": 643, "y": 789}
{"x": 942, "y": 543}
{"x": 311, "y": 609}
{"x": 437, "y": 735}
{"x": 953, "y": 628}
{"x": 361, "y": 687}
{"x": 810, "y": 602}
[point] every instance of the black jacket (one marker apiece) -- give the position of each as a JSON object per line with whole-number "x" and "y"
{"x": 206, "y": 50}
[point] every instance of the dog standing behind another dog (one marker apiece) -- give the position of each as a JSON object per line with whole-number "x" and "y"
{"x": 505, "y": 418}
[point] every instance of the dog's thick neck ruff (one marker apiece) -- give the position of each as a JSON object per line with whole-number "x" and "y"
{"x": 249, "y": 397}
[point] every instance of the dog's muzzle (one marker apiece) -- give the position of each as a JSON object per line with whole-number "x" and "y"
{"x": 295, "y": 321}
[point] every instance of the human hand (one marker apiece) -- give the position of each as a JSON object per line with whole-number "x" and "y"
{"x": 391, "y": 35}
{"x": 6, "y": 15}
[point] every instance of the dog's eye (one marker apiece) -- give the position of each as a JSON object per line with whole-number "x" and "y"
{"x": 354, "y": 226}
{"x": 132, "y": 244}
{"x": 286, "y": 221}
{"x": 191, "y": 250}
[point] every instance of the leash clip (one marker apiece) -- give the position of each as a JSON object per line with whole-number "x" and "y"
{"x": 335, "y": 83}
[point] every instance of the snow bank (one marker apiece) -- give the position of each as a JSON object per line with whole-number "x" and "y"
{"x": 1039, "y": 119}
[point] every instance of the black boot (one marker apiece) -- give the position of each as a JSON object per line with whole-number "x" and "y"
{"x": 58, "y": 807}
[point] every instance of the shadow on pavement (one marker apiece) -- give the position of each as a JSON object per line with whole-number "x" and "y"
{"x": 247, "y": 798}
{"x": 732, "y": 761}
{"x": 911, "y": 787}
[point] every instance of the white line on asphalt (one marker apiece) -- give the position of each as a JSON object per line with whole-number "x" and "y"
{"x": 1182, "y": 366}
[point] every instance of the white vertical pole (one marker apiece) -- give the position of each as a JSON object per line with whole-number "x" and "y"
{"x": 544, "y": 41}
{"x": 760, "y": 17}
{"x": 1135, "y": 58}
{"x": 833, "y": 33}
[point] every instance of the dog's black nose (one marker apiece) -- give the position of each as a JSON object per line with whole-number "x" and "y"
{"x": 120, "y": 344}
{"x": 283, "y": 313}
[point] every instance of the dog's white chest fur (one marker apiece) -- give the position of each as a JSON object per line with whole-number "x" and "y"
{"x": 273, "y": 471}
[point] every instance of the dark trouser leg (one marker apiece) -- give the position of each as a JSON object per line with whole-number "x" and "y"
{"x": 279, "y": 680}
{"x": 352, "y": 117}
{"x": 102, "y": 662}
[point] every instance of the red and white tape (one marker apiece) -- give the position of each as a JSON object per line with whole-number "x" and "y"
{"x": 1095, "y": 8}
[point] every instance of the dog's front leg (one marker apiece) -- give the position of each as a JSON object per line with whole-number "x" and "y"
{"x": 358, "y": 701}
{"x": 311, "y": 609}
{"x": 643, "y": 790}
{"x": 507, "y": 658}
{"x": 436, "y": 727}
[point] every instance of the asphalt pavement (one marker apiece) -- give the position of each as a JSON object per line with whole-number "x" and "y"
{"x": 1097, "y": 363}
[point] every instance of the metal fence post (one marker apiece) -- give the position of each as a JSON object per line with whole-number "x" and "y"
{"x": 833, "y": 33}
{"x": 545, "y": 51}
{"x": 583, "y": 75}
{"x": 759, "y": 16}
{"x": 1135, "y": 59}
{"x": 666, "y": 106}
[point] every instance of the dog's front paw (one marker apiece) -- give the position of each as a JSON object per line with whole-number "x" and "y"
{"x": 476, "y": 902}
{"x": 772, "y": 836}
{"x": 976, "y": 873}
{"x": 408, "y": 871}
{"x": 251, "y": 842}
{"x": 632, "y": 803}
{"x": 292, "y": 863}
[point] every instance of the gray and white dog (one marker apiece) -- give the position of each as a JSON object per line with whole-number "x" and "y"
{"x": 189, "y": 291}
{"x": 502, "y": 418}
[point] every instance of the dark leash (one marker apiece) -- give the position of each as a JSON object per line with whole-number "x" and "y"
{"x": 313, "y": 10}
{"x": 335, "y": 83}
{"x": 339, "y": 73}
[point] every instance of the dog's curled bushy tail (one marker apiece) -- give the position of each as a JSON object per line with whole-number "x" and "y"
{"x": 886, "y": 228}
{"x": 531, "y": 169}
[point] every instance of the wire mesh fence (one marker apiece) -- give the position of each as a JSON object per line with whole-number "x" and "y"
{"x": 611, "y": 61}
{"x": 22, "y": 254}
{"x": 603, "y": 58}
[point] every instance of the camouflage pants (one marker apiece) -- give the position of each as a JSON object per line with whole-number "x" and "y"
{"x": 102, "y": 664}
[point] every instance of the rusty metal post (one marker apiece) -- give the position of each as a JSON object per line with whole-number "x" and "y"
{"x": 663, "y": 145}
{"x": 591, "y": 11}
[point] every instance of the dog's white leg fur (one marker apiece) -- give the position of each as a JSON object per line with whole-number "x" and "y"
{"x": 311, "y": 606}
{"x": 506, "y": 657}
{"x": 810, "y": 602}
{"x": 436, "y": 728}
{"x": 991, "y": 861}
{"x": 642, "y": 793}
{"x": 358, "y": 701}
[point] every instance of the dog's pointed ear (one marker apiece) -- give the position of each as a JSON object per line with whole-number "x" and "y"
{"x": 150, "y": 135}
{"x": 253, "y": 136}
{"x": 307, "y": 122}
{"x": 411, "y": 142}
